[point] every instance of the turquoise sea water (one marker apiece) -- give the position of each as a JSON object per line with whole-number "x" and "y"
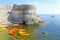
{"x": 51, "y": 27}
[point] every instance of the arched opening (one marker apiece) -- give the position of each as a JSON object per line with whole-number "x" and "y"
{"x": 23, "y": 22}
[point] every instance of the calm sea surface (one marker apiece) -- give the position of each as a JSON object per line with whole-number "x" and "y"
{"x": 51, "y": 27}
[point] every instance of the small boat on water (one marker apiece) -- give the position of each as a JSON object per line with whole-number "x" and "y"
{"x": 52, "y": 16}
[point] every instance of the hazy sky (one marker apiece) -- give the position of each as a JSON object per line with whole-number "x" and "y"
{"x": 42, "y": 6}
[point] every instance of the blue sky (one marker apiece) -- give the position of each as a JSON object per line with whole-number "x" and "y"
{"x": 42, "y": 6}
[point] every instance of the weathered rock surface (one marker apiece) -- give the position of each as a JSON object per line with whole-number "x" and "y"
{"x": 25, "y": 14}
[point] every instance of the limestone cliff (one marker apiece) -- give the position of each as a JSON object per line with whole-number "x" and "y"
{"x": 25, "y": 14}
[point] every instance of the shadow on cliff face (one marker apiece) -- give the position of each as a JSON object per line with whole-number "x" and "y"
{"x": 10, "y": 18}
{"x": 16, "y": 17}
